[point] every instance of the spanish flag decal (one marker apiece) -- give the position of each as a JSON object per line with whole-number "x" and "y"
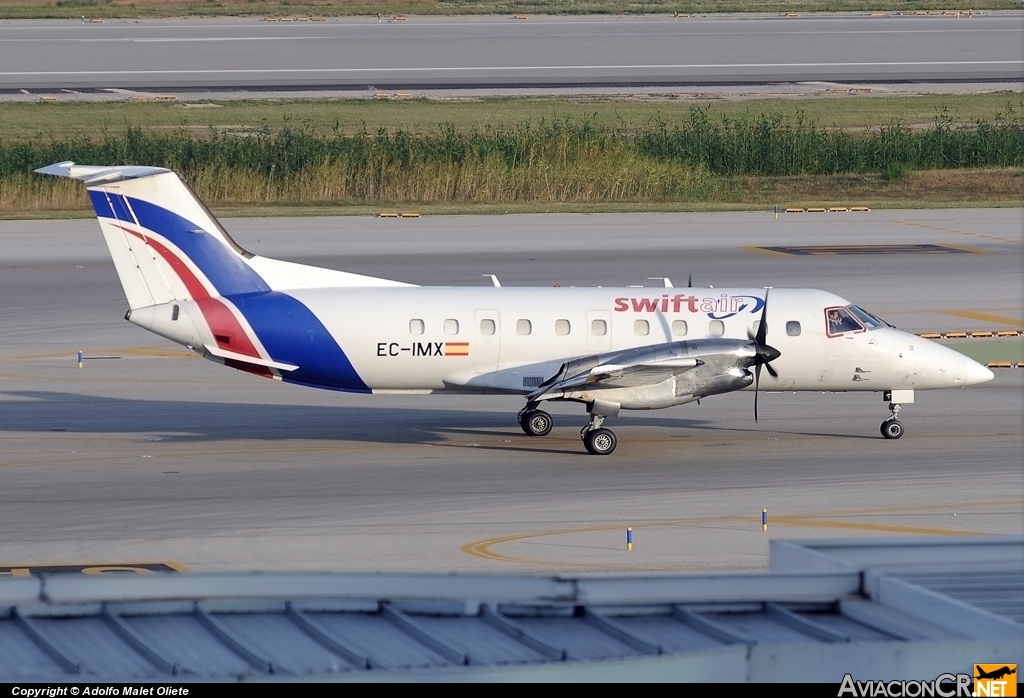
{"x": 456, "y": 348}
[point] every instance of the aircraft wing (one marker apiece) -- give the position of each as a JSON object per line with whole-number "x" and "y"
{"x": 630, "y": 369}
{"x": 638, "y": 374}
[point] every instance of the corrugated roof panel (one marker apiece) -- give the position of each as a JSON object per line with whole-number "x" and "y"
{"x": 387, "y": 646}
{"x": 20, "y": 657}
{"x": 840, "y": 623}
{"x": 582, "y": 640}
{"x": 759, "y": 626}
{"x": 1004, "y": 603}
{"x": 997, "y": 591}
{"x": 668, "y": 632}
{"x": 182, "y": 639}
{"x": 283, "y": 643}
{"x": 483, "y": 644}
{"x": 91, "y": 643}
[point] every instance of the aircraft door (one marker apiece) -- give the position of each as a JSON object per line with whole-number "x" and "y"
{"x": 599, "y": 331}
{"x": 488, "y": 341}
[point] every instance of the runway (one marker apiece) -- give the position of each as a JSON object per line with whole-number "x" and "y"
{"x": 362, "y": 54}
{"x": 149, "y": 454}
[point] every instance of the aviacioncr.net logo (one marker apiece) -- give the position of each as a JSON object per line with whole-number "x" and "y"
{"x": 943, "y": 686}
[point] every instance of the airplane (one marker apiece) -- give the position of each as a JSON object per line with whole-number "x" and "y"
{"x": 609, "y": 349}
{"x": 995, "y": 674}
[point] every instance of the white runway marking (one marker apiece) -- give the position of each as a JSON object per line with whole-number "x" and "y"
{"x": 254, "y": 71}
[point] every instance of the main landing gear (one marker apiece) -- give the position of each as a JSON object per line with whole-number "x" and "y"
{"x": 597, "y": 440}
{"x": 535, "y": 422}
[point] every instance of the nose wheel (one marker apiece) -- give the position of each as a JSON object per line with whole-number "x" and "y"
{"x": 892, "y": 428}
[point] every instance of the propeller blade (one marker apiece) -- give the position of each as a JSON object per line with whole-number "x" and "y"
{"x": 757, "y": 381}
{"x": 771, "y": 370}
{"x": 762, "y": 327}
{"x": 765, "y": 353}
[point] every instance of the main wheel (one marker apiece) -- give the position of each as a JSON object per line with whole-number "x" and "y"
{"x": 536, "y": 423}
{"x": 892, "y": 429}
{"x": 600, "y": 442}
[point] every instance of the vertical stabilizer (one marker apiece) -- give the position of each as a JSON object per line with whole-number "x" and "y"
{"x": 165, "y": 244}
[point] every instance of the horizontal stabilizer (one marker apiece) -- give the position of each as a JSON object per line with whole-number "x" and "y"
{"x": 246, "y": 359}
{"x": 92, "y": 175}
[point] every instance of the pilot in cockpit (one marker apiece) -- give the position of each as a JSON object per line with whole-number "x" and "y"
{"x": 840, "y": 321}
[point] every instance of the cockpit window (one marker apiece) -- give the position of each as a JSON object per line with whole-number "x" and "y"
{"x": 839, "y": 321}
{"x": 866, "y": 318}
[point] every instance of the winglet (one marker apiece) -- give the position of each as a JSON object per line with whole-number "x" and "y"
{"x": 99, "y": 174}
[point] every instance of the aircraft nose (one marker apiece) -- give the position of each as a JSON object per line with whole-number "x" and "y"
{"x": 975, "y": 373}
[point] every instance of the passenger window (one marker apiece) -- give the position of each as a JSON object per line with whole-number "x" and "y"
{"x": 839, "y": 321}
{"x": 524, "y": 327}
{"x": 487, "y": 327}
{"x": 716, "y": 328}
{"x": 415, "y": 327}
{"x": 451, "y": 326}
{"x": 793, "y": 328}
{"x": 562, "y": 327}
{"x": 641, "y": 328}
{"x": 679, "y": 328}
{"x": 599, "y": 328}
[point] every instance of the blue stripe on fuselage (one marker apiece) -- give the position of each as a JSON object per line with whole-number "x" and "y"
{"x": 292, "y": 334}
{"x": 288, "y": 330}
{"x": 226, "y": 270}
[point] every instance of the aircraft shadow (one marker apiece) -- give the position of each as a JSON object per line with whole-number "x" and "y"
{"x": 190, "y": 421}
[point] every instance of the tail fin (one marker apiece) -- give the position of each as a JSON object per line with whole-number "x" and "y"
{"x": 167, "y": 246}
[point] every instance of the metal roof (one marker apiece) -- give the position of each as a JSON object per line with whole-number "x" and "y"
{"x": 883, "y": 609}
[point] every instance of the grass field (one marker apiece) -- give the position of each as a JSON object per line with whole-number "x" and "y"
{"x": 32, "y": 120}
{"x": 534, "y": 154}
{"x": 36, "y": 9}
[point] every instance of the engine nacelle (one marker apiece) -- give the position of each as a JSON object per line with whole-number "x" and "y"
{"x": 707, "y": 367}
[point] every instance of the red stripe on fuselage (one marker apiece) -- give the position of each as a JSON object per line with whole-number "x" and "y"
{"x": 227, "y": 331}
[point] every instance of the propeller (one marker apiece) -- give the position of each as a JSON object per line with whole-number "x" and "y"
{"x": 763, "y": 354}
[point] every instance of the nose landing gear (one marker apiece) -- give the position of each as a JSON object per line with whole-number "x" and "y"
{"x": 892, "y": 428}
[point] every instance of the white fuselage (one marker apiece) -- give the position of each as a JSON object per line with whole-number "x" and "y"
{"x": 510, "y": 339}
